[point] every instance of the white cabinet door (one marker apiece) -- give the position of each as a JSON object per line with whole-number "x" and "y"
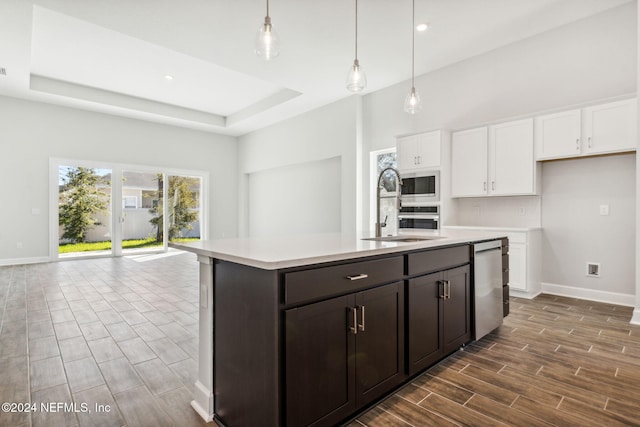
{"x": 518, "y": 266}
{"x": 429, "y": 149}
{"x": 511, "y": 162}
{"x": 610, "y": 127}
{"x": 469, "y": 163}
{"x": 558, "y": 135}
{"x": 418, "y": 151}
{"x": 407, "y": 149}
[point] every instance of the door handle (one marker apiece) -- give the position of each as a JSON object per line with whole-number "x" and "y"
{"x": 361, "y": 324}
{"x": 354, "y": 327}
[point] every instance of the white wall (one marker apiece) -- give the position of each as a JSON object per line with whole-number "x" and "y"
{"x": 34, "y": 132}
{"x": 575, "y": 233}
{"x": 325, "y": 133}
{"x": 592, "y": 59}
{"x": 311, "y": 192}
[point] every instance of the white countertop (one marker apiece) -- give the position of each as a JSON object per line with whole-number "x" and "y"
{"x": 271, "y": 253}
{"x": 487, "y": 228}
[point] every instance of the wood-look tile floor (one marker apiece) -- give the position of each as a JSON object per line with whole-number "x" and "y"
{"x": 555, "y": 362}
{"x": 123, "y": 332}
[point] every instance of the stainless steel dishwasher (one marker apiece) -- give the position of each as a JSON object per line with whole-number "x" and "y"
{"x": 487, "y": 276}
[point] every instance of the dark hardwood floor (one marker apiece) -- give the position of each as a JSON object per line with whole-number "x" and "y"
{"x": 123, "y": 333}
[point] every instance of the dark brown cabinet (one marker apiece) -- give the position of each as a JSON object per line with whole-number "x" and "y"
{"x": 505, "y": 277}
{"x": 342, "y": 353}
{"x": 439, "y": 316}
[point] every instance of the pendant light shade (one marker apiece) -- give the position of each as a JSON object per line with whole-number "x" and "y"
{"x": 267, "y": 41}
{"x": 356, "y": 79}
{"x": 412, "y": 103}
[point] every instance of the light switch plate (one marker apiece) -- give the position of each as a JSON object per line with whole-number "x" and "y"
{"x": 604, "y": 209}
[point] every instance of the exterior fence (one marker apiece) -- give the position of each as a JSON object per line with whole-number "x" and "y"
{"x": 136, "y": 225}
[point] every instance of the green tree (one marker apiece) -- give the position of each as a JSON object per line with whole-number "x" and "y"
{"x": 181, "y": 205}
{"x": 79, "y": 201}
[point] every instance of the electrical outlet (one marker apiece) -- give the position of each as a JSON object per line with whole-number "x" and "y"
{"x": 604, "y": 209}
{"x": 19, "y": 245}
{"x": 476, "y": 210}
{"x": 523, "y": 211}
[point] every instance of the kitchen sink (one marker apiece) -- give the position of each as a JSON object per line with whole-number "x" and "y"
{"x": 402, "y": 238}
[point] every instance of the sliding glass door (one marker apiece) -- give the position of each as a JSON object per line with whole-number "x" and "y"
{"x": 141, "y": 220}
{"x": 122, "y": 210}
{"x": 83, "y": 210}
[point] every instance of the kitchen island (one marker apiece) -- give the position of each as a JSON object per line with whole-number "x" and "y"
{"x": 309, "y": 330}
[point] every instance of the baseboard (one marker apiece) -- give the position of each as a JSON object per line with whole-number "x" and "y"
{"x": 590, "y": 294}
{"x": 21, "y": 261}
{"x": 523, "y": 294}
{"x": 635, "y": 319}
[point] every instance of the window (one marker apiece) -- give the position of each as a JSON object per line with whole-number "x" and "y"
{"x": 379, "y": 161}
{"x": 130, "y": 202}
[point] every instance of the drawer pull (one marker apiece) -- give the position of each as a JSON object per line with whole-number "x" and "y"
{"x": 358, "y": 277}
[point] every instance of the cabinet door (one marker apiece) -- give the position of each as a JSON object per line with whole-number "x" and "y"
{"x": 511, "y": 162}
{"x": 611, "y": 127}
{"x": 320, "y": 374}
{"x": 379, "y": 353}
{"x": 456, "y": 316}
{"x": 425, "y": 316}
{"x": 429, "y": 150}
{"x": 407, "y": 153}
{"x": 558, "y": 135}
{"x": 469, "y": 163}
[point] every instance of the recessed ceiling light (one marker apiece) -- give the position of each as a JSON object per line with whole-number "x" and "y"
{"x": 422, "y": 27}
{"x": 168, "y": 77}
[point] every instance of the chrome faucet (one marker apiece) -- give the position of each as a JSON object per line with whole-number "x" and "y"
{"x": 380, "y": 225}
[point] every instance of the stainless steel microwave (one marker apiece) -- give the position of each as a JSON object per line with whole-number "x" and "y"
{"x": 420, "y": 187}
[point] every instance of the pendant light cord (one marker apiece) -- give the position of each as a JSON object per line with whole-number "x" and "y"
{"x": 413, "y": 42}
{"x": 267, "y": 7}
{"x": 356, "y": 29}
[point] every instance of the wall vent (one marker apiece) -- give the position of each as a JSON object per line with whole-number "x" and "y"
{"x": 593, "y": 269}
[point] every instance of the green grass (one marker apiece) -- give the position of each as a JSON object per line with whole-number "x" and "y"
{"x": 106, "y": 246}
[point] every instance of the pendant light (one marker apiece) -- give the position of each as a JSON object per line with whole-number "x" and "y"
{"x": 356, "y": 79}
{"x": 412, "y": 102}
{"x": 267, "y": 42}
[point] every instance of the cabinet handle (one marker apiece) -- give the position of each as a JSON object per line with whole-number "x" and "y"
{"x": 361, "y": 324}
{"x": 493, "y": 185}
{"x": 443, "y": 295}
{"x": 485, "y": 185}
{"x": 589, "y": 142}
{"x": 358, "y": 276}
{"x": 419, "y": 159}
{"x": 448, "y": 289}
{"x": 354, "y": 328}
{"x": 578, "y": 144}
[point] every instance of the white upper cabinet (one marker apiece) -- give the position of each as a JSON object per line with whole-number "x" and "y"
{"x": 610, "y": 127}
{"x": 558, "y": 135}
{"x": 494, "y": 161}
{"x": 511, "y": 162}
{"x": 419, "y": 151}
{"x": 600, "y": 129}
{"x": 469, "y": 150}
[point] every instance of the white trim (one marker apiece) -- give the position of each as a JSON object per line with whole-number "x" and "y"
{"x": 203, "y": 402}
{"x": 635, "y": 319}
{"x": 590, "y": 294}
{"x": 21, "y": 261}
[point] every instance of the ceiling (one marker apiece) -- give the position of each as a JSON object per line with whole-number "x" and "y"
{"x": 113, "y": 56}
